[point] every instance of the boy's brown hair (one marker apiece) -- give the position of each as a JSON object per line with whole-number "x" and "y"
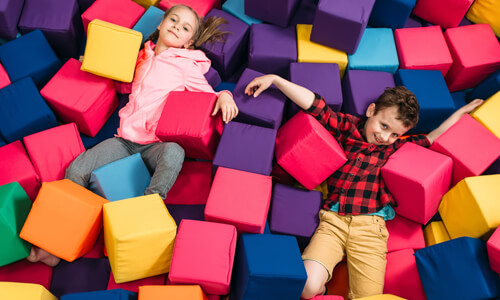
{"x": 404, "y": 100}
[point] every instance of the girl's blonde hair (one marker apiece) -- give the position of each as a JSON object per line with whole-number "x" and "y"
{"x": 207, "y": 29}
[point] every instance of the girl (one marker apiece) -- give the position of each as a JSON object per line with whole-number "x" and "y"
{"x": 172, "y": 64}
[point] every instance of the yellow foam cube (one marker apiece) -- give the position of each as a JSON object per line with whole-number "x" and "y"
{"x": 486, "y": 11}
{"x": 312, "y": 52}
{"x": 382, "y": 297}
{"x": 435, "y": 233}
{"x": 111, "y": 50}
{"x": 24, "y": 291}
{"x": 139, "y": 235}
{"x": 471, "y": 208}
{"x": 487, "y": 114}
{"x": 147, "y": 3}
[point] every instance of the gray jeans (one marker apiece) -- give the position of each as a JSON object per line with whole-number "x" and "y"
{"x": 163, "y": 160}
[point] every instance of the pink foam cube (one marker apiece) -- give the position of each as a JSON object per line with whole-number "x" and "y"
{"x": 28, "y": 272}
{"x": 197, "y": 132}
{"x": 201, "y": 7}
{"x": 404, "y": 234}
{"x": 120, "y": 12}
{"x": 81, "y": 97}
{"x": 417, "y": 178}
{"x": 52, "y": 150}
{"x": 239, "y": 198}
{"x": 476, "y": 54}
{"x": 446, "y": 13}
{"x": 493, "y": 247}
{"x": 192, "y": 186}
{"x": 327, "y": 297}
{"x": 401, "y": 276}
{"x": 423, "y": 48}
{"x": 15, "y": 165}
{"x": 134, "y": 285}
{"x": 4, "y": 77}
{"x": 307, "y": 151}
{"x": 204, "y": 254}
{"x": 472, "y": 147}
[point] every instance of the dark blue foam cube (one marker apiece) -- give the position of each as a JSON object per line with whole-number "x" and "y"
{"x": 391, "y": 13}
{"x": 116, "y": 294}
{"x": 486, "y": 88}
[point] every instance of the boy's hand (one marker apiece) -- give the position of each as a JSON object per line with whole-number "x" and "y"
{"x": 469, "y": 107}
{"x": 225, "y": 103}
{"x": 259, "y": 84}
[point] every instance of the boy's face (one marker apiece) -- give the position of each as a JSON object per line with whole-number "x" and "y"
{"x": 383, "y": 128}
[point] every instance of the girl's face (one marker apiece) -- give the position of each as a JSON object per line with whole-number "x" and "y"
{"x": 177, "y": 29}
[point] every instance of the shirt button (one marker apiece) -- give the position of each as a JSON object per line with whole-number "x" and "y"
{"x": 350, "y": 174}
{"x": 359, "y": 158}
{"x": 342, "y": 191}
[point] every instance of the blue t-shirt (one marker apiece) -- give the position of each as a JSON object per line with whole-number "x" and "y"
{"x": 387, "y": 212}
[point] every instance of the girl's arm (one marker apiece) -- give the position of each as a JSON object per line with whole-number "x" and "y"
{"x": 225, "y": 103}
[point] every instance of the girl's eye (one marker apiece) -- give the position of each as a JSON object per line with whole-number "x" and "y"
{"x": 172, "y": 19}
{"x": 383, "y": 126}
{"x": 186, "y": 29}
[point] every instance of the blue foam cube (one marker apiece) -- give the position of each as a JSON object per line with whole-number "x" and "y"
{"x": 486, "y": 88}
{"x": 149, "y": 21}
{"x": 116, "y": 294}
{"x": 376, "y": 52}
{"x": 391, "y": 13}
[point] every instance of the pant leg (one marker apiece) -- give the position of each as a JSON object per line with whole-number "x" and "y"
{"x": 164, "y": 161}
{"x": 101, "y": 154}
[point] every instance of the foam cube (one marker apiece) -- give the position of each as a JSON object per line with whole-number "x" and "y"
{"x": 228, "y": 56}
{"x": 125, "y": 178}
{"x": 198, "y": 132}
{"x": 423, "y": 48}
{"x": 4, "y": 77}
{"x": 213, "y": 77}
{"x": 234, "y": 189}
{"x": 436, "y": 103}
{"x": 64, "y": 211}
{"x": 200, "y": 7}
{"x": 14, "y": 208}
{"x": 149, "y": 21}
{"x": 210, "y": 268}
{"x": 27, "y": 272}
{"x": 276, "y": 12}
{"x": 461, "y": 268}
{"x": 404, "y": 234}
{"x": 118, "y": 12}
{"x": 192, "y": 212}
{"x": 134, "y": 227}
{"x": 297, "y": 139}
{"x": 376, "y": 51}
{"x": 425, "y": 176}
{"x": 30, "y": 55}
{"x": 81, "y": 97}
{"x": 493, "y": 248}
{"x": 271, "y": 49}
{"x": 9, "y": 18}
{"x": 485, "y": 11}
{"x": 133, "y": 286}
{"x": 237, "y": 9}
{"x": 435, "y": 232}
{"x": 17, "y": 290}
{"x": 339, "y": 285}
{"x": 473, "y": 196}
{"x": 294, "y": 211}
{"x": 341, "y": 24}
{"x": 485, "y": 114}
{"x": 476, "y": 54}
{"x": 15, "y": 165}
{"x": 309, "y": 51}
{"x": 192, "y": 184}
{"x": 445, "y": 13}
{"x": 413, "y": 22}
{"x": 465, "y": 139}
{"x": 117, "y": 294}
{"x": 97, "y": 250}
{"x": 486, "y": 88}
{"x": 322, "y": 78}
{"x": 362, "y": 87}
{"x": 391, "y": 13}
{"x": 151, "y": 292}
{"x": 264, "y": 274}
{"x": 108, "y": 130}
{"x": 111, "y": 50}
{"x": 246, "y": 147}
{"x": 402, "y": 264}
{"x": 52, "y": 150}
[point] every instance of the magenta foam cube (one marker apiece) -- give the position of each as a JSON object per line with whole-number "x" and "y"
{"x": 198, "y": 132}
{"x": 472, "y": 147}
{"x": 204, "y": 254}
{"x": 134, "y": 285}
{"x": 233, "y": 190}
{"x": 52, "y": 150}
{"x": 401, "y": 276}
{"x": 120, "y": 12}
{"x": 192, "y": 185}
{"x": 200, "y": 7}
{"x": 306, "y": 150}
{"x": 417, "y": 178}
{"x": 476, "y": 54}
{"x": 28, "y": 272}
{"x": 446, "y": 13}
{"x": 404, "y": 234}
{"x": 4, "y": 77}
{"x": 423, "y": 48}
{"x": 81, "y": 97}
{"x": 15, "y": 165}
{"x": 493, "y": 248}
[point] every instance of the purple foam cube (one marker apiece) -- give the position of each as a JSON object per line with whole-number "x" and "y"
{"x": 246, "y": 147}
{"x": 213, "y": 77}
{"x": 340, "y": 23}
{"x": 276, "y": 12}
{"x": 321, "y": 78}
{"x": 294, "y": 211}
{"x": 190, "y": 212}
{"x": 266, "y": 110}
{"x": 10, "y": 11}
{"x": 362, "y": 87}
{"x": 229, "y": 55}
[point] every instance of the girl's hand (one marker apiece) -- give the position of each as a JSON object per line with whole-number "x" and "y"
{"x": 227, "y": 106}
{"x": 259, "y": 84}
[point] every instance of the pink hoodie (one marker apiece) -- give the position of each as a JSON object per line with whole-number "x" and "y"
{"x": 175, "y": 69}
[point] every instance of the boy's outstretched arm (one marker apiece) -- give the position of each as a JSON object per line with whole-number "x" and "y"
{"x": 433, "y": 135}
{"x": 298, "y": 94}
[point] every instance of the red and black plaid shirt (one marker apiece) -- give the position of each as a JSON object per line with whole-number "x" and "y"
{"x": 357, "y": 185}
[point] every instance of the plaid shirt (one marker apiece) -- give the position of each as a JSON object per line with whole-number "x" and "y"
{"x": 357, "y": 185}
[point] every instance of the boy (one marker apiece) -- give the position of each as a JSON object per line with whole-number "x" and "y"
{"x": 352, "y": 218}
